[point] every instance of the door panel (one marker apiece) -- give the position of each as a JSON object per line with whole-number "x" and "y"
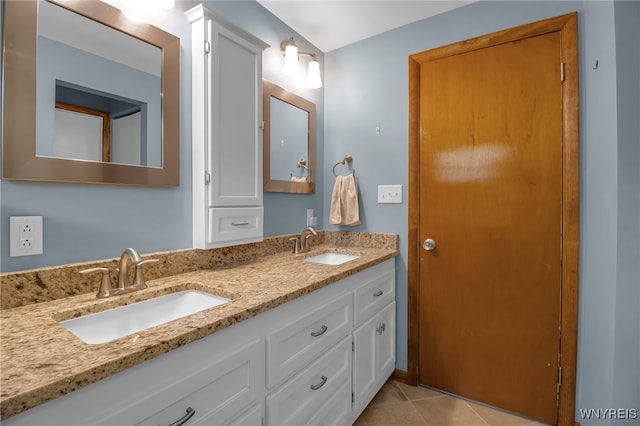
{"x": 491, "y": 197}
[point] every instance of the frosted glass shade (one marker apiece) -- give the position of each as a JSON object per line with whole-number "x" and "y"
{"x": 290, "y": 66}
{"x": 313, "y": 75}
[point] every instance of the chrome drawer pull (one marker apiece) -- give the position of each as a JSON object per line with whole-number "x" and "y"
{"x": 239, "y": 223}
{"x": 378, "y": 293}
{"x": 318, "y": 386}
{"x": 323, "y": 330}
{"x": 185, "y": 418}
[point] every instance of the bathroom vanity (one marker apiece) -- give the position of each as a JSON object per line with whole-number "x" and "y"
{"x": 299, "y": 343}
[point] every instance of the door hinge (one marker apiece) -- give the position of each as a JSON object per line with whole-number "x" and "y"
{"x": 561, "y": 71}
{"x": 559, "y": 377}
{"x": 207, "y": 47}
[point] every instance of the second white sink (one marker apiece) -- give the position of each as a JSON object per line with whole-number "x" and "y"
{"x": 122, "y": 321}
{"x": 331, "y": 258}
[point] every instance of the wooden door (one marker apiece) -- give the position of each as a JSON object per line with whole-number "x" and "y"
{"x": 490, "y": 182}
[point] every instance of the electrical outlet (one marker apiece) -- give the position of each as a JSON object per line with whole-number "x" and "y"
{"x": 311, "y": 219}
{"x": 25, "y": 235}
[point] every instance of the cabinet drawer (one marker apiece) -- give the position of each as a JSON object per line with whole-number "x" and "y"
{"x": 296, "y": 344}
{"x": 238, "y": 225}
{"x": 295, "y": 402}
{"x": 373, "y": 295}
{"x": 336, "y": 411}
{"x": 221, "y": 391}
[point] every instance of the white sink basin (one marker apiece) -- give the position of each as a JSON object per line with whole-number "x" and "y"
{"x": 331, "y": 258}
{"x": 122, "y": 321}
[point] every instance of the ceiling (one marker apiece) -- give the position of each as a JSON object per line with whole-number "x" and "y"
{"x": 331, "y": 24}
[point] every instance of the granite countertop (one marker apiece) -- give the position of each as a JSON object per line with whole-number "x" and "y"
{"x": 41, "y": 360}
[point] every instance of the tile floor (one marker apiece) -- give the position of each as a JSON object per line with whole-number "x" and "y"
{"x": 400, "y": 404}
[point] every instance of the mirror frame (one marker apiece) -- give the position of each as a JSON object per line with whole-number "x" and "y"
{"x": 270, "y": 90}
{"x": 19, "y": 159}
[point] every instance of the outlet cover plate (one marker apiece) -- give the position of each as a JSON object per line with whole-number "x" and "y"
{"x": 25, "y": 235}
{"x": 389, "y": 194}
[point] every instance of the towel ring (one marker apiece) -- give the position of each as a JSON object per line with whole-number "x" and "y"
{"x": 302, "y": 164}
{"x": 345, "y": 160}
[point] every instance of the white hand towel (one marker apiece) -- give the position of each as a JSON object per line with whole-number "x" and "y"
{"x": 345, "y": 209}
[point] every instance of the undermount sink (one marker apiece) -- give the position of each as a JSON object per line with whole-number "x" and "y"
{"x": 331, "y": 258}
{"x": 122, "y": 321}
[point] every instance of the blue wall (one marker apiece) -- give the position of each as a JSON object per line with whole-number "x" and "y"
{"x": 366, "y": 87}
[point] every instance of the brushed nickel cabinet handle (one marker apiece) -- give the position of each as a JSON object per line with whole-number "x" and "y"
{"x": 321, "y": 384}
{"x": 239, "y": 223}
{"x": 182, "y": 420}
{"x": 323, "y": 330}
{"x": 378, "y": 293}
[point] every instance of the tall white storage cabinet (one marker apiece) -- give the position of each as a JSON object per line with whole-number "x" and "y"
{"x": 226, "y": 131}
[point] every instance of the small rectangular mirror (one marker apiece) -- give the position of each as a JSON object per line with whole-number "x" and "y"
{"x": 289, "y": 141}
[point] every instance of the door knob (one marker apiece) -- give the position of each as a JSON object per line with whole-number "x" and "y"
{"x": 429, "y": 244}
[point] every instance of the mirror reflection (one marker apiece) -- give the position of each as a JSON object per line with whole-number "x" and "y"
{"x": 289, "y": 141}
{"x": 98, "y": 91}
{"x": 289, "y": 133}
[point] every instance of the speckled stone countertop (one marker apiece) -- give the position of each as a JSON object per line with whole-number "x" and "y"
{"x": 41, "y": 360}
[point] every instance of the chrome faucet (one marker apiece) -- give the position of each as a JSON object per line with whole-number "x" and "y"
{"x": 304, "y": 238}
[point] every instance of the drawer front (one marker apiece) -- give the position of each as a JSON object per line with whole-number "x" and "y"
{"x": 251, "y": 417}
{"x": 299, "y": 399}
{"x": 221, "y": 392}
{"x": 373, "y": 295}
{"x": 336, "y": 411}
{"x": 295, "y": 345}
{"x": 235, "y": 224}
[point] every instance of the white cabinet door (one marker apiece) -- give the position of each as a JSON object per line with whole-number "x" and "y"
{"x": 235, "y": 96}
{"x": 364, "y": 363}
{"x": 373, "y": 356}
{"x": 386, "y": 346}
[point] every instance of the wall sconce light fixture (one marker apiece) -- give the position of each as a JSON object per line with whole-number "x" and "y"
{"x": 292, "y": 68}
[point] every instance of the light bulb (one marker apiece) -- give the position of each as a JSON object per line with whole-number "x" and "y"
{"x": 313, "y": 75}
{"x": 290, "y": 66}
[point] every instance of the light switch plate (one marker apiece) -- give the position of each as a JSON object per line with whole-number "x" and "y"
{"x": 389, "y": 194}
{"x": 25, "y": 235}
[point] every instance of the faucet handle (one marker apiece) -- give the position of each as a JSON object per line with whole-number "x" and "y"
{"x": 296, "y": 245}
{"x": 105, "y": 285}
{"x": 138, "y": 282}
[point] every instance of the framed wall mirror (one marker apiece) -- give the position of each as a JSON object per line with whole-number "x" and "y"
{"x": 289, "y": 141}
{"x": 90, "y": 96}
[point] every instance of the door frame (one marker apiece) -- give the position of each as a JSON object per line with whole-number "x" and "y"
{"x": 568, "y": 27}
